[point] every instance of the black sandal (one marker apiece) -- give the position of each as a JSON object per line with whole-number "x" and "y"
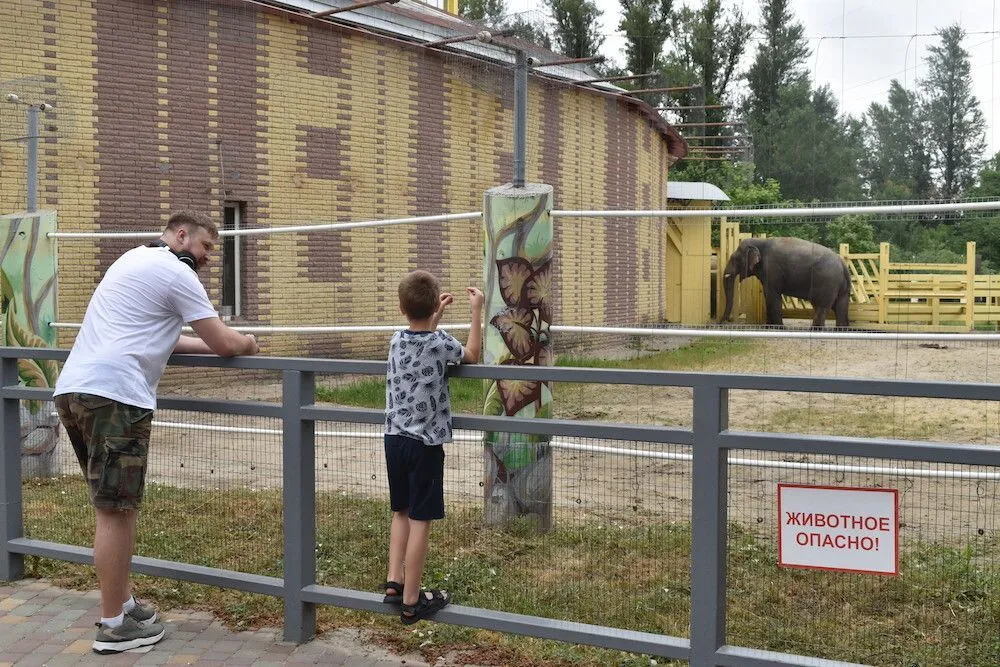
{"x": 425, "y": 606}
{"x": 393, "y": 598}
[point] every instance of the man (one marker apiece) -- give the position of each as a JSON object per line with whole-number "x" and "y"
{"x": 106, "y": 394}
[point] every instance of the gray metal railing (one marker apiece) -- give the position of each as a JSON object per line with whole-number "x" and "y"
{"x": 710, "y": 439}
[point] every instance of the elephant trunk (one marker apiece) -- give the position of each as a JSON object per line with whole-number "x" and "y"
{"x": 729, "y": 281}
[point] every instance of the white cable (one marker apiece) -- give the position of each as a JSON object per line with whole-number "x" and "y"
{"x": 628, "y": 331}
{"x": 723, "y": 332}
{"x": 323, "y": 227}
{"x": 783, "y": 212}
{"x": 253, "y": 328}
{"x": 638, "y": 453}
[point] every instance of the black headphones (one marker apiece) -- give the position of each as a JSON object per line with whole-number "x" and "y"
{"x": 183, "y": 255}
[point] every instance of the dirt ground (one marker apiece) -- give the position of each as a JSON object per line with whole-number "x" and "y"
{"x": 625, "y": 487}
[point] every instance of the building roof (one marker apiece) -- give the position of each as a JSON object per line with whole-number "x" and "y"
{"x": 418, "y": 22}
{"x": 688, "y": 190}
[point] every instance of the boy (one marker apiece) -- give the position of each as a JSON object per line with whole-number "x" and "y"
{"x": 417, "y": 424}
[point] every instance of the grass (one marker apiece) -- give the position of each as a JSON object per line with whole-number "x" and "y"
{"x": 694, "y": 356}
{"x": 944, "y": 609}
{"x": 467, "y": 394}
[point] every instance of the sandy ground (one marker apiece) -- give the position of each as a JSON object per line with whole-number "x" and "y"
{"x": 625, "y": 487}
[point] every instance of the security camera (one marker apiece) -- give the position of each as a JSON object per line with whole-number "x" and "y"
{"x": 45, "y": 106}
{"x": 532, "y": 61}
{"x": 484, "y": 36}
{"x": 12, "y": 98}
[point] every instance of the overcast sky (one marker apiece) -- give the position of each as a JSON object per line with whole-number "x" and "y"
{"x": 880, "y": 44}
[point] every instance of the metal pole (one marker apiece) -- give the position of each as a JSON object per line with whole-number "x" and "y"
{"x": 11, "y": 517}
{"x": 299, "y": 493}
{"x": 520, "y": 116}
{"x": 32, "y": 159}
{"x": 709, "y": 516}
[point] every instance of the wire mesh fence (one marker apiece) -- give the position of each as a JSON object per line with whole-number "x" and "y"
{"x": 612, "y": 557}
{"x": 938, "y": 610}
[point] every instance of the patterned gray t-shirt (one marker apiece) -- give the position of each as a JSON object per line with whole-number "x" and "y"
{"x": 417, "y": 403}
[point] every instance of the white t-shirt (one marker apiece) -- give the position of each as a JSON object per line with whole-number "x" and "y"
{"x": 132, "y": 325}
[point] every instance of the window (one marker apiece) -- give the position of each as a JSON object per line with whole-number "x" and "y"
{"x": 231, "y": 261}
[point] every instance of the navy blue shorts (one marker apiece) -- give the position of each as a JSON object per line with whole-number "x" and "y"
{"x": 416, "y": 477}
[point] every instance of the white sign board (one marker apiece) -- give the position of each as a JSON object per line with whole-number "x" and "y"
{"x": 839, "y": 529}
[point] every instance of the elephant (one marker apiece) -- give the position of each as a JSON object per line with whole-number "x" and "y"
{"x": 794, "y": 267}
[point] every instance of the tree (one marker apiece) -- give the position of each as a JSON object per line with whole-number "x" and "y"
{"x": 984, "y": 228}
{"x": 780, "y": 56}
{"x": 956, "y": 127}
{"x": 577, "y": 32}
{"x": 778, "y": 65}
{"x": 897, "y": 162}
{"x": 646, "y": 24}
{"x": 855, "y": 230}
{"x": 706, "y": 48}
{"x": 487, "y": 11}
{"x": 534, "y": 32}
{"x": 815, "y": 152}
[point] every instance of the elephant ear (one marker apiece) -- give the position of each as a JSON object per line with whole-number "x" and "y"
{"x": 753, "y": 259}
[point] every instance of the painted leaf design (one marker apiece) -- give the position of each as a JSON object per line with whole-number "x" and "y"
{"x": 514, "y": 273}
{"x": 494, "y": 404}
{"x": 6, "y": 292}
{"x": 31, "y": 374}
{"x": 516, "y": 394}
{"x": 23, "y": 336}
{"x": 51, "y": 371}
{"x": 514, "y": 325}
{"x": 538, "y": 291}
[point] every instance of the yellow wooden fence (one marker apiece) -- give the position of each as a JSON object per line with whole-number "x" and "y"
{"x": 748, "y": 297}
{"x": 885, "y": 294}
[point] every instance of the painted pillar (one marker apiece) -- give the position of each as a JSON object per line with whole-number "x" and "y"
{"x": 518, "y": 278}
{"x": 27, "y": 306}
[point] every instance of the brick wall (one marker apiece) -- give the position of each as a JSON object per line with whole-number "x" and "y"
{"x": 168, "y": 104}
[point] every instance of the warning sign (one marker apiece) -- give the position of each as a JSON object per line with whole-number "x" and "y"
{"x": 837, "y": 528}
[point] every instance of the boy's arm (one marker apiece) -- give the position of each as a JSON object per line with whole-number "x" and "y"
{"x": 470, "y": 353}
{"x": 445, "y": 301}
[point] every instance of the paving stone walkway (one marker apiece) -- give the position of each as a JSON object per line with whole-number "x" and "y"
{"x": 44, "y": 625}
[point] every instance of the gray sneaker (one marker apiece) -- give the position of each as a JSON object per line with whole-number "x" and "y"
{"x": 143, "y": 612}
{"x": 129, "y": 635}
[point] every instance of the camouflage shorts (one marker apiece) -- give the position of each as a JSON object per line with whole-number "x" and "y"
{"x": 111, "y": 441}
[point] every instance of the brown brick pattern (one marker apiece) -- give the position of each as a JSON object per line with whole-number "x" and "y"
{"x": 165, "y": 104}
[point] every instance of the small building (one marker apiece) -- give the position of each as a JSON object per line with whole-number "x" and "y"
{"x": 689, "y": 253}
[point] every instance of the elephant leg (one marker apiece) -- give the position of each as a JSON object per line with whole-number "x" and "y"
{"x": 772, "y": 306}
{"x": 841, "y": 309}
{"x": 821, "y": 307}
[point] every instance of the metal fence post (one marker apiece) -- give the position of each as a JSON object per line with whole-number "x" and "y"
{"x": 709, "y": 516}
{"x": 11, "y": 517}
{"x": 299, "y": 493}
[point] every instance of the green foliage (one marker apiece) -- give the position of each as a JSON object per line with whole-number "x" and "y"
{"x": 897, "y": 164}
{"x": 779, "y": 62}
{"x": 577, "y": 31}
{"x": 488, "y": 11}
{"x": 646, "y": 24}
{"x": 706, "y": 47}
{"x": 955, "y": 124}
{"x": 814, "y": 153}
{"x": 534, "y": 32}
{"x": 855, "y": 230}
